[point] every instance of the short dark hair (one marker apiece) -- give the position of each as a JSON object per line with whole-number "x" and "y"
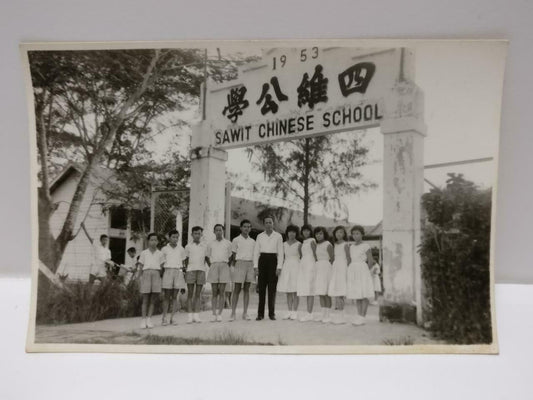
{"x": 358, "y": 228}
{"x": 173, "y": 232}
{"x": 306, "y": 227}
{"x": 103, "y": 236}
{"x": 150, "y": 235}
{"x": 215, "y": 227}
{"x": 339, "y": 228}
{"x": 323, "y": 230}
{"x": 197, "y": 228}
{"x": 268, "y": 216}
{"x": 292, "y": 228}
{"x": 132, "y": 249}
{"x": 245, "y": 221}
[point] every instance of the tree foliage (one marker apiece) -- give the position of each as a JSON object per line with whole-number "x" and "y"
{"x": 319, "y": 170}
{"x": 455, "y": 254}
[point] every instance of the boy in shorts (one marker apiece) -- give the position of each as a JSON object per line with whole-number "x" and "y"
{"x": 243, "y": 274}
{"x": 173, "y": 279}
{"x": 150, "y": 263}
{"x": 195, "y": 260}
{"x": 218, "y": 253}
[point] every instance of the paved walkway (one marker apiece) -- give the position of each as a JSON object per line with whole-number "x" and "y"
{"x": 266, "y": 331}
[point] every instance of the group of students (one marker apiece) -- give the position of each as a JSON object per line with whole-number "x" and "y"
{"x": 335, "y": 270}
{"x": 312, "y": 267}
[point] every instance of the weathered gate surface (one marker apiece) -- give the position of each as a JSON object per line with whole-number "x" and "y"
{"x": 301, "y": 92}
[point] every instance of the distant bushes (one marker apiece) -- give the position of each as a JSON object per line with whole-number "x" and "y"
{"x": 455, "y": 254}
{"x": 83, "y": 302}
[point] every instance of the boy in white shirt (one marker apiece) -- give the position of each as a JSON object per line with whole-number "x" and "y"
{"x": 195, "y": 260}
{"x": 243, "y": 255}
{"x": 219, "y": 254}
{"x": 150, "y": 262}
{"x": 173, "y": 279}
{"x": 101, "y": 259}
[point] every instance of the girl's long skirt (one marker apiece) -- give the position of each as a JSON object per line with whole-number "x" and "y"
{"x": 288, "y": 278}
{"x": 337, "y": 282}
{"x": 306, "y": 277}
{"x": 360, "y": 284}
{"x": 323, "y": 276}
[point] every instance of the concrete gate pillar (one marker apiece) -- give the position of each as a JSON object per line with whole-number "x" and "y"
{"x": 208, "y": 180}
{"x": 403, "y": 179}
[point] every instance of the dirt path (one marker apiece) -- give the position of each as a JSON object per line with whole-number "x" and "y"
{"x": 127, "y": 331}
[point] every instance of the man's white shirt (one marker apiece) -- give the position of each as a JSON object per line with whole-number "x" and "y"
{"x": 272, "y": 243}
{"x": 243, "y": 248}
{"x": 174, "y": 256}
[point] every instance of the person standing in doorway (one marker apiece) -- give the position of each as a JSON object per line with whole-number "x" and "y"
{"x": 268, "y": 260}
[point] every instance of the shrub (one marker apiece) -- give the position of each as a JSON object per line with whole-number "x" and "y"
{"x": 455, "y": 253}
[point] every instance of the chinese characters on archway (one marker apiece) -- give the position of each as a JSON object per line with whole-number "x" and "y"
{"x": 311, "y": 90}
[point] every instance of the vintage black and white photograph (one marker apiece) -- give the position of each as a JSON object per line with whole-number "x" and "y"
{"x": 303, "y": 197}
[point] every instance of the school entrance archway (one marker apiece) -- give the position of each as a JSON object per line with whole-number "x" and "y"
{"x": 293, "y": 93}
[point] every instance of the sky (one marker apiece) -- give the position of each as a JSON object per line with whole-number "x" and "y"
{"x": 462, "y": 88}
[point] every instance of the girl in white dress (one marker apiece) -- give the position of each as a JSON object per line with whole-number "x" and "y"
{"x": 288, "y": 278}
{"x": 324, "y": 257}
{"x": 337, "y": 283}
{"x": 360, "y": 285}
{"x": 306, "y": 272}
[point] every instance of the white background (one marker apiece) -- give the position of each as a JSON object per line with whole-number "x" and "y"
{"x": 202, "y": 377}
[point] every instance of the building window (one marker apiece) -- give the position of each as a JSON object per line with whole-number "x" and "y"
{"x": 119, "y": 218}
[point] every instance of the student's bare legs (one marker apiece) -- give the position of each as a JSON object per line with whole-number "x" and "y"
{"x": 359, "y": 306}
{"x": 197, "y": 292}
{"x": 310, "y": 303}
{"x": 295, "y": 301}
{"x": 190, "y": 295}
{"x": 235, "y": 299}
{"x": 146, "y": 300}
{"x": 153, "y": 298}
{"x": 221, "y": 297}
{"x": 246, "y": 298}
{"x": 166, "y": 295}
{"x": 289, "y": 301}
{"x": 174, "y": 303}
{"x": 364, "y": 306}
{"x": 214, "y": 298}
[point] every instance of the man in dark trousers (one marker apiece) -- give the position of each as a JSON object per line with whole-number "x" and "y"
{"x": 268, "y": 260}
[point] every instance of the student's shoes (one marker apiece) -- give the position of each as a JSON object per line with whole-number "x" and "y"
{"x": 259, "y": 318}
{"x": 374, "y": 303}
{"x": 293, "y": 315}
{"x": 318, "y": 318}
{"x": 339, "y": 320}
{"x": 358, "y": 321}
{"x": 190, "y": 319}
{"x": 272, "y": 317}
{"x": 196, "y": 317}
{"x": 164, "y": 322}
{"x": 232, "y": 318}
{"x": 219, "y": 318}
{"x": 246, "y": 317}
{"x": 214, "y": 318}
{"x": 326, "y": 319}
{"x": 149, "y": 323}
{"x": 288, "y": 315}
{"x": 307, "y": 317}
{"x": 143, "y": 323}
{"x": 173, "y": 322}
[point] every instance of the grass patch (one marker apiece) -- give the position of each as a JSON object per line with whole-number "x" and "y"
{"x": 402, "y": 341}
{"x": 221, "y": 339}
